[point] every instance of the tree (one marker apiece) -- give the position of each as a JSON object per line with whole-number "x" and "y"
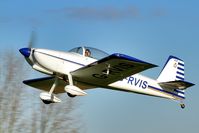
{"x": 20, "y": 107}
{"x": 11, "y": 91}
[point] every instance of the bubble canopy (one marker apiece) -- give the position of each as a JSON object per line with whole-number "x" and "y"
{"x": 89, "y": 52}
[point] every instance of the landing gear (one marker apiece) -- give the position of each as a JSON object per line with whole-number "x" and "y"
{"x": 182, "y": 105}
{"x": 46, "y": 102}
{"x": 72, "y": 90}
{"x": 71, "y": 95}
{"x": 49, "y": 97}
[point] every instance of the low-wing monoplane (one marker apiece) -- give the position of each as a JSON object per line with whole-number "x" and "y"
{"x": 85, "y": 68}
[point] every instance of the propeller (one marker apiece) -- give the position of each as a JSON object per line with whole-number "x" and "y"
{"x": 32, "y": 39}
{"x": 27, "y": 51}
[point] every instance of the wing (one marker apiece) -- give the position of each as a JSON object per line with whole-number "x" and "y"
{"x": 47, "y": 82}
{"x": 110, "y": 69}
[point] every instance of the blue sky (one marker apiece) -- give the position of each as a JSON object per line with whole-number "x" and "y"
{"x": 148, "y": 30}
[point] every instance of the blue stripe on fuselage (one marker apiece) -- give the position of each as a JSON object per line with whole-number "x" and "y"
{"x": 61, "y": 58}
{"x": 155, "y": 88}
{"x": 178, "y": 91}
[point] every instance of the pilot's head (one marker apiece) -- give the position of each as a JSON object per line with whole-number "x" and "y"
{"x": 87, "y": 53}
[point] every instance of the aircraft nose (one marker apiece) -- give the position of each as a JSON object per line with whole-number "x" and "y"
{"x": 25, "y": 52}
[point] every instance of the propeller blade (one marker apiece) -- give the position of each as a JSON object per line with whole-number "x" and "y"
{"x": 32, "y": 40}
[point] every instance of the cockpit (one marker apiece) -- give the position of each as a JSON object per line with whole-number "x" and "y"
{"x": 90, "y": 52}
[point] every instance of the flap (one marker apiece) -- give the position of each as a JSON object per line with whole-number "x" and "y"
{"x": 110, "y": 69}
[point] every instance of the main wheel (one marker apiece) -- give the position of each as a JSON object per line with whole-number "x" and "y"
{"x": 71, "y": 95}
{"x": 46, "y": 102}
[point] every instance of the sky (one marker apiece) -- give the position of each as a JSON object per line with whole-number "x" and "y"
{"x": 148, "y": 30}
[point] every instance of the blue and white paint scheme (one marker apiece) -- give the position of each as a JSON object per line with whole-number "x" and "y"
{"x": 85, "y": 68}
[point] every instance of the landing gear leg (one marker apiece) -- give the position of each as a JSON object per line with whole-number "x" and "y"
{"x": 70, "y": 80}
{"x": 53, "y": 86}
{"x": 48, "y": 97}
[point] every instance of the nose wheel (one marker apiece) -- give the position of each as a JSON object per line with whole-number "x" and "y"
{"x": 49, "y": 97}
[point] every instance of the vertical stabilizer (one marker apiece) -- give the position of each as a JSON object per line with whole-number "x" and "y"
{"x": 172, "y": 71}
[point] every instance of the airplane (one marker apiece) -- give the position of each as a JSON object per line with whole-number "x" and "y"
{"x": 85, "y": 68}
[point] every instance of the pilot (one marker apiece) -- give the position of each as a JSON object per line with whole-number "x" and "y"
{"x": 87, "y": 53}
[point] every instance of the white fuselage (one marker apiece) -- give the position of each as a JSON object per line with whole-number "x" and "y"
{"x": 56, "y": 62}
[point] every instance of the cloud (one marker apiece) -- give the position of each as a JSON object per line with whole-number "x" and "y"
{"x": 104, "y": 13}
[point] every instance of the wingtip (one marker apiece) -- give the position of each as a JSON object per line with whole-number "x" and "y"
{"x": 133, "y": 59}
{"x": 155, "y": 65}
{"x": 152, "y": 65}
{"x": 24, "y": 81}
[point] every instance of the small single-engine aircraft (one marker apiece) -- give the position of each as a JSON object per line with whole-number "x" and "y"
{"x": 85, "y": 68}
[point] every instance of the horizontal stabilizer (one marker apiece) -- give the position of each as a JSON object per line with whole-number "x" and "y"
{"x": 178, "y": 84}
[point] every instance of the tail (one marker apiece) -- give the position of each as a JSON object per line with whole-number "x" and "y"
{"x": 172, "y": 77}
{"x": 173, "y": 70}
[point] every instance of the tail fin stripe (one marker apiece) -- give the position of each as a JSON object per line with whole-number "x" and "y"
{"x": 182, "y": 74}
{"x": 180, "y": 78}
{"x": 180, "y": 64}
{"x": 173, "y": 70}
{"x": 182, "y": 69}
